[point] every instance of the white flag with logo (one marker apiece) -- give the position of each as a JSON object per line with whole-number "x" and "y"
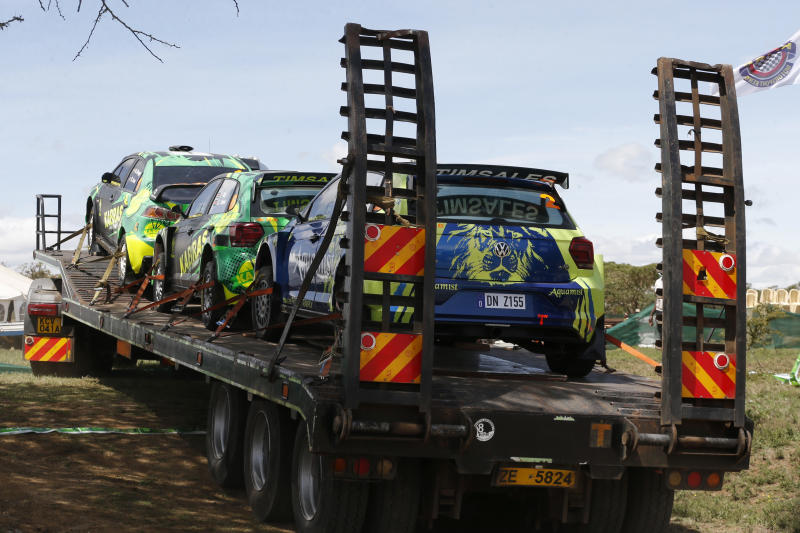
{"x": 773, "y": 69}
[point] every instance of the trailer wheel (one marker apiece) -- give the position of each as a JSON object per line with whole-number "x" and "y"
{"x": 224, "y": 431}
{"x": 649, "y": 502}
{"x": 264, "y": 309}
{"x": 160, "y": 285}
{"x": 394, "y": 505}
{"x": 607, "y": 506}
{"x": 267, "y": 461}
{"x": 321, "y": 503}
{"x": 211, "y": 296}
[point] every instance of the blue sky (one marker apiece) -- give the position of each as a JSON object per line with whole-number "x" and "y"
{"x": 565, "y": 86}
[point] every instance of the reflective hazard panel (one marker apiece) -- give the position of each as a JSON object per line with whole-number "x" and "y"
{"x": 394, "y": 249}
{"x": 49, "y": 349}
{"x": 708, "y": 375}
{"x": 709, "y": 274}
{"x": 391, "y": 357}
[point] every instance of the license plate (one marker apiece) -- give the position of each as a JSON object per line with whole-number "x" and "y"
{"x": 48, "y": 324}
{"x": 498, "y": 300}
{"x": 535, "y": 477}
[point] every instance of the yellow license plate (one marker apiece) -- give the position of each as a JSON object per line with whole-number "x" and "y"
{"x": 535, "y": 477}
{"x": 48, "y": 324}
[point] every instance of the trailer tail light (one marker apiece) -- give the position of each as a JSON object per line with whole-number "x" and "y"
{"x": 582, "y": 252}
{"x": 160, "y": 213}
{"x": 245, "y": 233}
{"x": 694, "y": 480}
{"x": 43, "y": 309}
{"x": 364, "y": 468}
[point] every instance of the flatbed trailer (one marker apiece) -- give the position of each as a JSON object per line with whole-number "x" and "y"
{"x": 604, "y": 452}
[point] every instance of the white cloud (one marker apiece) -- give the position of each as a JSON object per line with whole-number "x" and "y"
{"x": 334, "y": 153}
{"x": 17, "y": 238}
{"x": 640, "y": 250}
{"x": 630, "y": 162}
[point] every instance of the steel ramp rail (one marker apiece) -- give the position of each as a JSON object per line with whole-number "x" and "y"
{"x": 701, "y": 189}
{"x": 391, "y": 230}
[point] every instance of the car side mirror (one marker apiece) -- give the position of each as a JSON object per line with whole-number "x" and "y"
{"x": 177, "y": 209}
{"x": 108, "y": 177}
{"x": 295, "y": 211}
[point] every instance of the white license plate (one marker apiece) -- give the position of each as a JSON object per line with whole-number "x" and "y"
{"x": 498, "y": 300}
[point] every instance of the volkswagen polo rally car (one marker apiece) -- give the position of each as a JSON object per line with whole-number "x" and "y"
{"x": 134, "y": 202}
{"x": 511, "y": 264}
{"x": 217, "y": 239}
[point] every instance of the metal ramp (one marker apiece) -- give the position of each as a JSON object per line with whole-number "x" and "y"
{"x": 391, "y": 235}
{"x": 703, "y": 263}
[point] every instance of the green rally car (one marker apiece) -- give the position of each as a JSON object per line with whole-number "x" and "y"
{"x": 218, "y": 237}
{"x": 134, "y": 202}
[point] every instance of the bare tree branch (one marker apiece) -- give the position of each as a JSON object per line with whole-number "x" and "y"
{"x": 236, "y": 3}
{"x": 9, "y": 21}
{"x": 138, "y": 34}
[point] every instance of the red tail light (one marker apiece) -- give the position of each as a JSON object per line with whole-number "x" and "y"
{"x": 245, "y": 233}
{"x": 582, "y": 252}
{"x": 43, "y": 309}
{"x": 160, "y": 213}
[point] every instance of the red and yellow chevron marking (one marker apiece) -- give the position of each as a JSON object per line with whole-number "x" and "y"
{"x": 717, "y": 282}
{"x": 394, "y": 249}
{"x": 50, "y": 349}
{"x": 394, "y": 358}
{"x": 701, "y": 379}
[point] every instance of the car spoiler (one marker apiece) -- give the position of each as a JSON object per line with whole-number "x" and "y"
{"x": 296, "y": 178}
{"x": 500, "y": 171}
{"x": 155, "y": 196}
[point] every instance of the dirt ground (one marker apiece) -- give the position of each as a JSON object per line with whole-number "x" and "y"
{"x": 77, "y": 483}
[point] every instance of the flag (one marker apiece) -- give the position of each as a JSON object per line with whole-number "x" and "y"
{"x": 776, "y": 68}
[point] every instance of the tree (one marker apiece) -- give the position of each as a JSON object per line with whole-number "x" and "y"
{"x": 103, "y": 10}
{"x": 759, "y": 331}
{"x": 628, "y": 288}
{"x": 34, "y": 270}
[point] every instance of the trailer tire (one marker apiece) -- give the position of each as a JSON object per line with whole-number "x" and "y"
{"x": 224, "y": 433}
{"x": 394, "y": 505}
{"x": 607, "y": 506}
{"x": 211, "y": 296}
{"x": 321, "y": 503}
{"x": 649, "y": 502}
{"x": 268, "y": 447}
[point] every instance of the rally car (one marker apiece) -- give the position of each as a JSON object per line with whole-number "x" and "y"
{"x": 510, "y": 264}
{"x": 131, "y": 204}
{"x": 217, "y": 239}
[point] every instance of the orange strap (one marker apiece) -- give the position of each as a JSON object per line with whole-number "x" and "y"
{"x": 634, "y": 352}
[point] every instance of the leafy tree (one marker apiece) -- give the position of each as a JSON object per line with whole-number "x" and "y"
{"x": 759, "y": 331}
{"x": 628, "y": 288}
{"x": 34, "y": 270}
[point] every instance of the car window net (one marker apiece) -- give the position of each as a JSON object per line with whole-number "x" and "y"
{"x": 276, "y": 200}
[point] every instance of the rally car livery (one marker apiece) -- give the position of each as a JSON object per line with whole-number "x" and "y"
{"x": 134, "y": 202}
{"x": 510, "y": 264}
{"x": 217, "y": 239}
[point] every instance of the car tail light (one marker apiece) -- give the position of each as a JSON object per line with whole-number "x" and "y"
{"x": 160, "y": 213}
{"x": 582, "y": 252}
{"x": 43, "y": 309}
{"x": 245, "y": 233}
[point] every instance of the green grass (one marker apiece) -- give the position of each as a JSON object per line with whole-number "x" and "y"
{"x": 767, "y": 496}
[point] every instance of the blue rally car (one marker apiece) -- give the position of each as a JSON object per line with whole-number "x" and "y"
{"x": 510, "y": 264}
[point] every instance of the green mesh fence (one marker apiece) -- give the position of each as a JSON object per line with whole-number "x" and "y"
{"x": 637, "y": 332}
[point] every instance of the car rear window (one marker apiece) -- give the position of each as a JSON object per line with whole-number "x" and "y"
{"x": 276, "y": 200}
{"x": 199, "y": 175}
{"x": 487, "y": 204}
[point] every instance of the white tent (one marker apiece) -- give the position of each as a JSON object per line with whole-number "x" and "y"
{"x": 13, "y": 292}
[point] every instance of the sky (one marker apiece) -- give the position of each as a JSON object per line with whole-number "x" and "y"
{"x": 557, "y": 85}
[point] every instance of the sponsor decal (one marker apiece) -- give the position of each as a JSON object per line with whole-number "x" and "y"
{"x": 152, "y": 228}
{"x": 113, "y": 216}
{"x": 192, "y": 253}
{"x": 559, "y": 293}
{"x": 562, "y": 418}
{"x": 246, "y": 273}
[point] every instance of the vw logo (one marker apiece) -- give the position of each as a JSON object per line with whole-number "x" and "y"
{"x": 502, "y": 249}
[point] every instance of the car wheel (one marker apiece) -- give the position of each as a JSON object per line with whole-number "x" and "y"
{"x": 211, "y": 297}
{"x": 160, "y": 285}
{"x": 124, "y": 264}
{"x": 264, "y": 309}
{"x": 569, "y": 365}
{"x": 94, "y": 244}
